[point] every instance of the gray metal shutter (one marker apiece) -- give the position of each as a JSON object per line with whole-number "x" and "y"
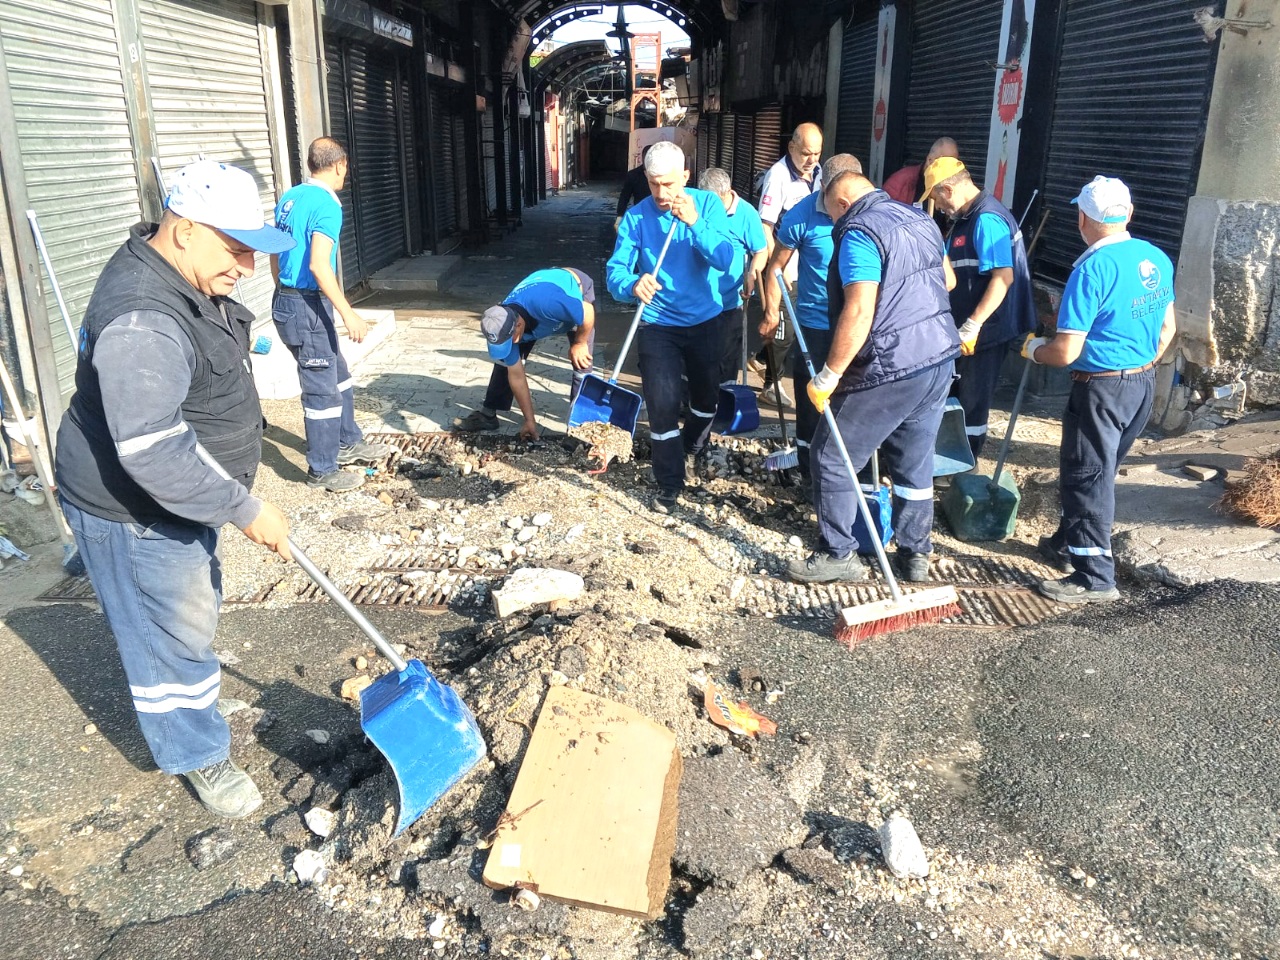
{"x": 209, "y": 98}
{"x": 74, "y": 140}
{"x": 954, "y": 47}
{"x": 409, "y": 159}
{"x": 767, "y": 146}
{"x": 1153, "y": 57}
{"x": 487, "y": 160}
{"x": 442, "y": 165}
{"x": 744, "y": 142}
{"x": 378, "y": 184}
{"x": 724, "y": 150}
{"x": 460, "y": 169}
{"x": 340, "y": 130}
{"x": 857, "y": 88}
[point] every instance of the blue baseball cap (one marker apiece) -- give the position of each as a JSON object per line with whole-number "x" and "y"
{"x": 498, "y": 324}
{"x": 226, "y": 198}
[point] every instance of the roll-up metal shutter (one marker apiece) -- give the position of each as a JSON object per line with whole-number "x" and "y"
{"x": 460, "y": 169}
{"x": 954, "y": 48}
{"x": 744, "y": 129}
{"x": 724, "y": 149}
{"x": 74, "y": 140}
{"x": 442, "y": 165}
{"x": 378, "y": 181}
{"x": 487, "y": 161}
{"x": 705, "y": 146}
{"x": 209, "y": 98}
{"x": 767, "y": 147}
{"x": 340, "y": 129}
{"x": 1154, "y": 58}
{"x": 857, "y": 88}
{"x": 409, "y": 160}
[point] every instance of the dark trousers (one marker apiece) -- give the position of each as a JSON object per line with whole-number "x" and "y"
{"x": 901, "y": 419}
{"x": 304, "y": 320}
{"x": 1104, "y": 416}
{"x": 807, "y": 416}
{"x": 780, "y": 349}
{"x": 668, "y": 356}
{"x": 979, "y": 376}
{"x": 731, "y": 330}
{"x": 498, "y": 396}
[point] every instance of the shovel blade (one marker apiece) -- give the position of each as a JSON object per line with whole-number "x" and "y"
{"x": 425, "y": 731}
{"x": 951, "y": 452}
{"x": 977, "y": 509}
{"x": 599, "y": 401}
{"x": 736, "y": 410}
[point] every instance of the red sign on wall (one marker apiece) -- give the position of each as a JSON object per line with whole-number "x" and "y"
{"x": 878, "y": 121}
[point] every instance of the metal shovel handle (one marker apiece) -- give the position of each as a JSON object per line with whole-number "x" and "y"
{"x": 53, "y": 280}
{"x": 635, "y": 320}
{"x": 323, "y": 582}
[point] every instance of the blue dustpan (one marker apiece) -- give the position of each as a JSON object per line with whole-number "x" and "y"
{"x": 603, "y": 401}
{"x": 879, "y": 500}
{"x": 951, "y": 452}
{"x": 736, "y": 410}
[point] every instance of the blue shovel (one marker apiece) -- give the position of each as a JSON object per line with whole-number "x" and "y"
{"x": 603, "y": 401}
{"x": 428, "y": 736}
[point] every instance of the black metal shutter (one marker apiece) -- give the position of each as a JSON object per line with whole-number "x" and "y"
{"x": 744, "y": 129}
{"x": 446, "y": 204}
{"x": 1152, "y": 57}
{"x": 378, "y": 183}
{"x": 954, "y": 48}
{"x": 487, "y": 160}
{"x": 857, "y": 88}
{"x": 705, "y": 146}
{"x": 728, "y": 134}
{"x": 460, "y": 169}
{"x": 409, "y": 158}
{"x": 767, "y": 146}
{"x": 340, "y": 130}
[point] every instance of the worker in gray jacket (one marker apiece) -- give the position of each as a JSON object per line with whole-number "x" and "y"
{"x": 163, "y": 366}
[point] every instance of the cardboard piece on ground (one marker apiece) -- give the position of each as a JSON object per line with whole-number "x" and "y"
{"x": 592, "y": 818}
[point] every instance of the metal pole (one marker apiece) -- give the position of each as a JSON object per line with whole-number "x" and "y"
{"x": 53, "y": 281}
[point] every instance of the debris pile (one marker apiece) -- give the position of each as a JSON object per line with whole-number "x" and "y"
{"x": 1255, "y": 498}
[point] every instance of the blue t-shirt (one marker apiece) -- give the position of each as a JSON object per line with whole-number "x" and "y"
{"x": 860, "y": 260}
{"x": 806, "y": 229}
{"x": 552, "y": 299}
{"x": 747, "y": 234}
{"x": 993, "y": 241}
{"x": 1117, "y": 296}
{"x": 303, "y": 210}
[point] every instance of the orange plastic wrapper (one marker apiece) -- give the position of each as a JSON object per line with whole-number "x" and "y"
{"x": 737, "y": 717}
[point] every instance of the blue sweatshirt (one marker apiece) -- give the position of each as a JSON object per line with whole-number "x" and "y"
{"x": 689, "y": 274}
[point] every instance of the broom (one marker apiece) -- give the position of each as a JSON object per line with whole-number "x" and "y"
{"x": 788, "y": 458}
{"x": 900, "y": 610}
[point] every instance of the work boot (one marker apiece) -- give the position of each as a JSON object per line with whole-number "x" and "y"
{"x": 225, "y": 790}
{"x": 364, "y": 453}
{"x": 666, "y": 502}
{"x": 1058, "y": 559}
{"x": 476, "y": 421}
{"x": 1068, "y": 590}
{"x": 339, "y": 481}
{"x": 822, "y": 567}
{"x": 912, "y": 567}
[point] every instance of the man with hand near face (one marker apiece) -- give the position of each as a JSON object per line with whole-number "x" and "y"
{"x": 679, "y": 336}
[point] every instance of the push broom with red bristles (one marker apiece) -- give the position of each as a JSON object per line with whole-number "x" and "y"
{"x": 901, "y": 610}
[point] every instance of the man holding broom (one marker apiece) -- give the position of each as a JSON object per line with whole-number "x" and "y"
{"x": 886, "y": 376}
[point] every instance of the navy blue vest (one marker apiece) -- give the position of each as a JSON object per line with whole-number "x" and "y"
{"x": 912, "y": 329}
{"x": 221, "y": 405}
{"x": 1016, "y": 315}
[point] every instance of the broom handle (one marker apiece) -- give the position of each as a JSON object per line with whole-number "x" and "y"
{"x": 635, "y": 320}
{"x": 881, "y": 558}
{"x": 1013, "y": 419}
{"x": 323, "y": 582}
{"x": 746, "y": 309}
{"x": 53, "y": 280}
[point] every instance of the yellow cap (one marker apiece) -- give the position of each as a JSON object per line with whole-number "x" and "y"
{"x": 939, "y": 170}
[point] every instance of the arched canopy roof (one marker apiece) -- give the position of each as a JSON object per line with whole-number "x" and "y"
{"x": 698, "y": 18}
{"x": 561, "y": 67}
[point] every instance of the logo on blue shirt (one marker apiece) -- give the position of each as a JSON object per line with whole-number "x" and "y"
{"x": 1150, "y": 274}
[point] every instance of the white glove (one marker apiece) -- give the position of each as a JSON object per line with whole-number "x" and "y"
{"x": 969, "y": 330}
{"x": 826, "y": 380}
{"x": 1031, "y": 345}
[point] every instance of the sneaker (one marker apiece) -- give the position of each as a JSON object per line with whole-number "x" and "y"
{"x": 912, "y": 567}
{"x": 758, "y": 366}
{"x": 340, "y": 481}
{"x": 364, "y": 452}
{"x": 225, "y": 790}
{"x": 768, "y": 398}
{"x": 1067, "y": 590}
{"x": 821, "y": 567}
{"x": 1057, "y": 559}
{"x": 476, "y": 421}
{"x": 665, "y": 502}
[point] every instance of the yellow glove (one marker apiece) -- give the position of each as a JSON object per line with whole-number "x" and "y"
{"x": 1031, "y": 345}
{"x": 968, "y": 332}
{"x": 821, "y": 387}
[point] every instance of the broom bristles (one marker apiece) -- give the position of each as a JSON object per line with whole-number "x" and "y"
{"x": 782, "y": 459}
{"x": 867, "y": 620}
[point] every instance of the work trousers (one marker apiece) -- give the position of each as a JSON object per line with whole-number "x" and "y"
{"x": 498, "y": 396}
{"x": 731, "y": 359}
{"x": 807, "y": 415}
{"x": 304, "y": 320}
{"x": 669, "y": 356}
{"x": 779, "y": 349}
{"x": 160, "y": 587}
{"x": 1104, "y": 416}
{"x": 901, "y": 419}
{"x": 979, "y": 375}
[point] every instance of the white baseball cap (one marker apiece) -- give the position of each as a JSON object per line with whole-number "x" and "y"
{"x": 1105, "y": 199}
{"x": 226, "y": 198}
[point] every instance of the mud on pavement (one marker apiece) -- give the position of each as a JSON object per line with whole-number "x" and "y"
{"x": 1101, "y": 784}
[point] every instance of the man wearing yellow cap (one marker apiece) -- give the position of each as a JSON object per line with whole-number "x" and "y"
{"x": 991, "y": 301}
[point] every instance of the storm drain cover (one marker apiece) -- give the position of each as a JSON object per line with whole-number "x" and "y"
{"x": 418, "y": 445}
{"x": 421, "y": 589}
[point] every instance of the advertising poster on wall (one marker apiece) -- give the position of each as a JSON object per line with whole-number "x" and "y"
{"x": 880, "y": 114}
{"x": 686, "y": 138}
{"x": 1010, "y": 95}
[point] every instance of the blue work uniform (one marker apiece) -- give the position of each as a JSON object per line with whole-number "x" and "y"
{"x": 304, "y": 319}
{"x": 747, "y": 234}
{"x": 678, "y": 338}
{"x": 986, "y": 237}
{"x": 891, "y": 396}
{"x": 1116, "y": 298}
{"x": 551, "y": 303}
{"x": 806, "y": 229}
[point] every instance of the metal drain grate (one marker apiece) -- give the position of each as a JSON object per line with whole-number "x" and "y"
{"x": 70, "y": 588}
{"x": 418, "y": 445}
{"x": 433, "y": 559}
{"x": 422, "y": 589}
